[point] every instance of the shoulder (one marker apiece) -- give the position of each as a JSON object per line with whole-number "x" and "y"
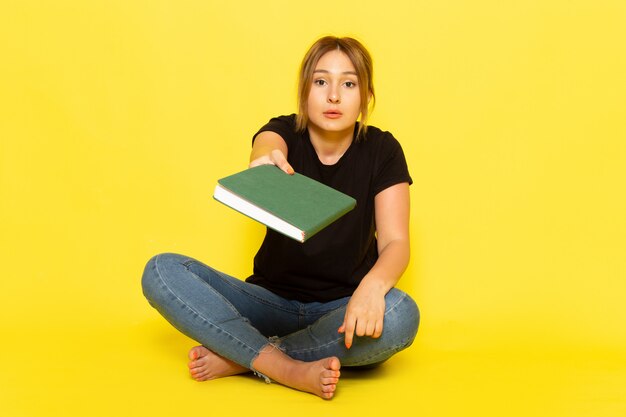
{"x": 285, "y": 126}
{"x": 285, "y": 122}
{"x": 387, "y": 160}
{"x": 379, "y": 140}
{"x": 289, "y": 119}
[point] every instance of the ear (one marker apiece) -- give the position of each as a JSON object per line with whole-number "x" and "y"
{"x": 369, "y": 97}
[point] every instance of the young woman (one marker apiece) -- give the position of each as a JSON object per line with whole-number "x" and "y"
{"x": 311, "y": 307}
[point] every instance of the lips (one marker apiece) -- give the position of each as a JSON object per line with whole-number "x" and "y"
{"x": 333, "y": 114}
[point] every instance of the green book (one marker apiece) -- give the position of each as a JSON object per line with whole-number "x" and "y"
{"x": 294, "y": 205}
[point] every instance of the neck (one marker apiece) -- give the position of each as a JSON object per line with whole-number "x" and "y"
{"x": 330, "y": 146}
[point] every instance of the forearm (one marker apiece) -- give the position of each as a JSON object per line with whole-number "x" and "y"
{"x": 270, "y": 148}
{"x": 262, "y": 150}
{"x": 265, "y": 143}
{"x": 386, "y": 272}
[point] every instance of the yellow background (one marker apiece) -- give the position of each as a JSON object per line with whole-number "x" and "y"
{"x": 117, "y": 117}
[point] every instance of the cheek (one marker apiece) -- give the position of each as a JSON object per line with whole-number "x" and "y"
{"x": 313, "y": 108}
{"x": 356, "y": 103}
{"x": 310, "y": 104}
{"x": 315, "y": 101}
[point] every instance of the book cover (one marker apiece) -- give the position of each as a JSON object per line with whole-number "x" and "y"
{"x": 294, "y": 205}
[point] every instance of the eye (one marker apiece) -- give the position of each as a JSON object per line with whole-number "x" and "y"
{"x": 350, "y": 84}
{"x": 319, "y": 82}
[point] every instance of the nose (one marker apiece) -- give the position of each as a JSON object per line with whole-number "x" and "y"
{"x": 333, "y": 97}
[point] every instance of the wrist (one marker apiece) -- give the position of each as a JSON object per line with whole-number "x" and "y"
{"x": 373, "y": 284}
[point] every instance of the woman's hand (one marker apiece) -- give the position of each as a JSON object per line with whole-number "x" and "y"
{"x": 275, "y": 157}
{"x": 366, "y": 309}
{"x": 365, "y": 314}
{"x": 270, "y": 148}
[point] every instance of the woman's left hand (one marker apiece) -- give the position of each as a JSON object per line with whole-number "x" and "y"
{"x": 364, "y": 314}
{"x": 366, "y": 309}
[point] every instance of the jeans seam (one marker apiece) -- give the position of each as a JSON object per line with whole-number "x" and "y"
{"x": 393, "y": 307}
{"x": 313, "y": 348}
{"x": 156, "y": 261}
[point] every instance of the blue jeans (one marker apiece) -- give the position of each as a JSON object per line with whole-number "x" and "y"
{"x": 237, "y": 320}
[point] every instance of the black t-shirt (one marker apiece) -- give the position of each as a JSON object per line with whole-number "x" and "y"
{"x": 331, "y": 264}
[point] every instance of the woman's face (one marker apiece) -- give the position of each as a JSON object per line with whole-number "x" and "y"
{"x": 334, "y": 102}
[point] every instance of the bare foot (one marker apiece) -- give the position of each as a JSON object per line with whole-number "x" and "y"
{"x": 206, "y": 365}
{"x": 319, "y": 377}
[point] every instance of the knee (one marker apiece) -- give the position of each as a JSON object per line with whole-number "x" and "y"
{"x": 155, "y": 274}
{"x": 150, "y": 278}
{"x": 402, "y": 316}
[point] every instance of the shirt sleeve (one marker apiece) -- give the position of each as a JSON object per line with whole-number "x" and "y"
{"x": 391, "y": 168}
{"x": 285, "y": 126}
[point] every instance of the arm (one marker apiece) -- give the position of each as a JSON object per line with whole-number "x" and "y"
{"x": 366, "y": 309}
{"x": 270, "y": 148}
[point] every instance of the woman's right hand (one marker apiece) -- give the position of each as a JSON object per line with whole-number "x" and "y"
{"x": 275, "y": 157}
{"x": 270, "y": 148}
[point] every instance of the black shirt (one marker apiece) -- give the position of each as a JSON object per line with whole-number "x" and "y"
{"x": 331, "y": 264}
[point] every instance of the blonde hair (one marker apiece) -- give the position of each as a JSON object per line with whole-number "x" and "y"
{"x": 362, "y": 62}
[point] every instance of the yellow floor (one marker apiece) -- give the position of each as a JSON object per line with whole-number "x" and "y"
{"x": 117, "y": 117}
{"x": 138, "y": 369}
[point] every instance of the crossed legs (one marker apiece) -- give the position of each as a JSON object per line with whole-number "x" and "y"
{"x": 233, "y": 321}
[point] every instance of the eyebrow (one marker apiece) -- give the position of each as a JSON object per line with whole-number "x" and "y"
{"x": 328, "y": 72}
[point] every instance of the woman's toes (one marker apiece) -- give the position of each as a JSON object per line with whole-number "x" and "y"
{"x": 328, "y": 381}
{"x": 198, "y": 352}
{"x": 331, "y": 374}
{"x": 201, "y": 377}
{"x": 329, "y": 388}
{"x": 198, "y": 363}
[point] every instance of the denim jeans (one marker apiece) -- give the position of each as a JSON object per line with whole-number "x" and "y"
{"x": 237, "y": 320}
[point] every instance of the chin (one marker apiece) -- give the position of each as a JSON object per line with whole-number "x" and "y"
{"x": 337, "y": 125}
{"x": 335, "y": 129}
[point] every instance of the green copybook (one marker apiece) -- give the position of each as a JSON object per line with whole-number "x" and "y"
{"x": 294, "y": 205}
